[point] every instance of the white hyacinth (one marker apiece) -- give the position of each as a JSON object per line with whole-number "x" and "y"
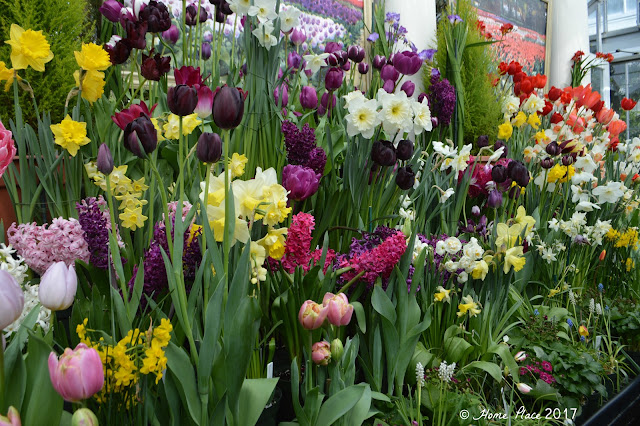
{"x": 572, "y": 298}
{"x": 592, "y": 306}
{"x": 598, "y": 309}
{"x": 446, "y": 371}
{"x": 420, "y": 375}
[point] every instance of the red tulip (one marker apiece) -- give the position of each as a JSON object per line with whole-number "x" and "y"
{"x": 126, "y": 116}
{"x": 628, "y": 104}
{"x": 554, "y": 93}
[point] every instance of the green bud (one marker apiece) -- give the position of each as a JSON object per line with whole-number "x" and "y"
{"x": 84, "y": 417}
{"x": 336, "y": 349}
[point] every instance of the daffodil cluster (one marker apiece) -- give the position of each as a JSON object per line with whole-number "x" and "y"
{"x": 510, "y": 237}
{"x": 625, "y": 239}
{"x": 465, "y": 260}
{"x": 92, "y": 59}
{"x": 128, "y": 192}
{"x": 138, "y": 353}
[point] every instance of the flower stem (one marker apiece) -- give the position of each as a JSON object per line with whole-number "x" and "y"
{"x": 1, "y": 374}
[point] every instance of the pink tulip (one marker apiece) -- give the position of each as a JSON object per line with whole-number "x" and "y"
{"x": 524, "y": 388}
{"x": 78, "y": 374}
{"x": 58, "y": 286}
{"x": 338, "y": 307}
{"x": 7, "y": 149}
{"x": 312, "y": 315}
{"x": 12, "y": 419}
{"x": 321, "y": 353}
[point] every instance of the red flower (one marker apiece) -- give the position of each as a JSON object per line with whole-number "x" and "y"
{"x": 606, "y": 56}
{"x": 554, "y": 93}
{"x": 514, "y": 68}
{"x": 556, "y": 118}
{"x": 506, "y": 28}
{"x": 548, "y": 106}
{"x": 126, "y": 116}
{"x": 539, "y": 81}
{"x": 577, "y": 56}
{"x": 628, "y": 104}
{"x": 503, "y": 67}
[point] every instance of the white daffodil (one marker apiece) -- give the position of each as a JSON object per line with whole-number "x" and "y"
{"x": 496, "y": 155}
{"x": 421, "y": 116}
{"x": 264, "y": 10}
{"x": 510, "y": 105}
{"x": 533, "y": 104}
{"x": 362, "y": 118}
{"x": 579, "y": 194}
{"x": 396, "y": 114}
{"x": 445, "y": 195}
{"x": 239, "y": 7}
{"x": 586, "y": 163}
{"x": 289, "y": 18}
{"x": 609, "y": 193}
{"x": 354, "y": 96}
{"x": 315, "y": 62}
{"x": 586, "y": 206}
{"x": 264, "y": 36}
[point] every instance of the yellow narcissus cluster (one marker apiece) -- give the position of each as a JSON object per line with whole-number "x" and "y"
{"x": 128, "y": 192}
{"x": 92, "y": 59}
{"x": 510, "y": 237}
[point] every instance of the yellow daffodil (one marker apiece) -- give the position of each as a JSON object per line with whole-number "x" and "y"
{"x": 132, "y": 218}
{"x": 274, "y": 242}
{"x": 248, "y": 195}
{"x": 582, "y": 330}
{"x": 553, "y": 292}
{"x": 480, "y": 270}
{"x": 70, "y": 135}
{"x": 7, "y": 74}
{"x": 468, "y": 306}
{"x": 216, "y": 218}
{"x": 505, "y": 130}
{"x": 519, "y": 119}
{"x": 236, "y": 164}
{"x": 172, "y": 126}
{"x": 560, "y": 173}
{"x": 276, "y": 211}
{"x": 92, "y": 57}
{"x": 508, "y": 236}
{"x": 91, "y": 86}
{"x": 534, "y": 121}
{"x": 526, "y": 221}
{"x": 216, "y": 190}
{"x": 28, "y": 49}
{"x": 541, "y": 137}
{"x": 514, "y": 257}
{"x": 629, "y": 264}
{"x": 442, "y": 295}
{"x": 158, "y": 128}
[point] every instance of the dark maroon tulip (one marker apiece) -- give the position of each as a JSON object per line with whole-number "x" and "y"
{"x": 308, "y": 97}
{"x": 220, "y": 17}
{"x": 104, "y": 163}
{"x": 156, "y": 16}
{"x": 332, "y": 46}
{"x": 126, "y": 116}
{"x": 404, "y": 151}
{"x": 209, "y": 148}
{"x": 346, "y": 66}
{"x": 356, "y": 53}
{"x": 119, "y": 52}
{"x": 285, "y": 95}
{"x": 422, "y": 96}
{"x": 171, "y": 35}
{"x": 182, "y": 99}
{"x": 547, "y": 163}
{"x": 408, "y": 87}
{"x": 154, "y": 67}
{"x": 301, "y": 182}
{"x": 518, "y": 172}
{"x": 136, "y": 34}
{"x": 205, "y": 50}
{"x": 379, "y": 61}
{"x": 499, "y": 144}
{"x": 405, "y": 178}
{"x": 228, "y": 106}
{"x": 298, "y": 37}
{"x": 388, "y": 72}
{"x": 188, "y": 75}
{"x": 342, "y": 56}
{"x": 294, "y": 60}
{"x": 225, "y": 8}
{"x": 383, "y": 153}
{"x": 191, "y": 16}
{"x": 483, "y": 140}
{"x": 407, "y": 62}
{"x": 111, "y": 9}
{"x": 495, "y": 199}
{"x": 567, "y": 160}
{"x": 333, "y": 79}
{"x": 389, "y": 86}
{"x": 140, "y": 136}
{"x": 553, "y": 148}
{"x": 205, "y": 101}
{"x": 332, "y": 60}
{"x": 499, "y": 173}
{"x": 363, "y": 68}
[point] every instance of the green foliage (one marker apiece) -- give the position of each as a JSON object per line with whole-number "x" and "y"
{"x": 65, "y": 24}
{"x": 481, "y": 107}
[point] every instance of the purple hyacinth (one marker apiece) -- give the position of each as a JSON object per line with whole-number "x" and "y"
{"x": 301, "y": 147}
{"x": 93, "y": 216}
{"x": 442, "y": 100}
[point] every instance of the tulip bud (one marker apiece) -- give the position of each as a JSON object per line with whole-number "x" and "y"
{"x": 523, "y": 387}
{"x": 308, "y": 97}
{"x": 337, "y": 349}
{"x": 324, "y": 101}
{"x": 363, "y": 68}
{"x": 58, "y": 286}
{"x": 342, "y": 56}
{"x": 104, "y": 162}
{"x": 312, "y": 315}
{"x": 553, "y": 148}
{"x": 346, "y": 66}
{"x": 171, "y": 35}
{"x": 298, "y": 37}
{"x": 603, "y": 254}
{"x": 285, "y": 95}
{"x": 383, "y": 153}
{"x": 333, "y": 79}
{"x": 498, "y": 173}
{"x": 332, "y": 60}
{"x": 495, "y": 199}
{"x": 12, "y": 419}
{"x": 356, "y": 53}
{"x": 339, "y": 309}
{"x": 209, "y": 148}
{"x": 84, "y": 417}
{"x": 11, "y": 300}
{"x": 567, "y": 160}
{"x": 321, "y": 353}
{"x": 205, "y": 50}
{"x": 111, "y": 9}
{"x": 483, "y": 140}
{"x": 520, "y": 356}
{"x": 379, "y": 62}
{"x": 408, "y": 87}
{"x": 389, "y": 86}
{"x": 77, "y": 374}
{"x": 404, "y": 151}
{"x": 519, "y": 173}
{"x": 405, "y": 177}
{"x": 388, "y": 72}
{"x": 228, "y": 107}
{"x": 301, "y": 182}
{"x": 182, "y": 99}
{"x": 205, "y": 101}
{"x": 547, "y": 163}
{"x": 140, "y": 136}
{"x": 192, "y": 17}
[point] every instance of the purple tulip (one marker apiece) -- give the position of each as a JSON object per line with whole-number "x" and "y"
{"x": 298, "y": 36}
{"x": 495, "y": 199}
{"x": 388, "y": 72}
{"x": 182, "y": 99}
{"x": 405, "y": 178}
{"x": 205, "y": 50}
{"x": 333, "y": 79}
{"x": 553, "y": 148}
{"x": 379, "y": 61}
{"x": 104, "y": 163}
{"x": 207, "y": 36}
{"x": 294, "y": 60}
{"x": 209, "y": 148}
{"x": 482, "y": 141}
{"x": 301, "y": 182}
{"x": 205, "y": 101}
{"x": 140, "y": 134}
{"x": 389, "y": 86}
{"x": 111, "y": 9}
{"x": 407, "y": 62}
{"x": 228, "y": 106}
{"x": 172, "y": 34}
{"x": 346, "y": 66}
{"x": 422, "y": 96}
{"x": 285, "y": 95}
{"x": 547, "y": 163}
{"x": 356, "y": 53}
{"x": 332, "y": 46}
{"x": 363, "y": 68}
{"x": 408, "y": 87}
{"x": 308, "y": 97}
{"x": 519, "y": 173}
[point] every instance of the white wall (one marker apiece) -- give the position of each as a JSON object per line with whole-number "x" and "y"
{"x": 569, "y": 32}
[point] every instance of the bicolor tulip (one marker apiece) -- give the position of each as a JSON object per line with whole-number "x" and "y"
{"x": 77, "y": 374}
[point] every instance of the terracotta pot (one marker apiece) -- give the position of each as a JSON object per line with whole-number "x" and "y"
{"x": 7, "y": 212}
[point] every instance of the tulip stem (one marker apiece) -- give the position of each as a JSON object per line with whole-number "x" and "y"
{"x": 1, "y": 375}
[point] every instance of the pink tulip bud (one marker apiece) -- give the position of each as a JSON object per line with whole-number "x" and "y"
{"x": 58, "y": 286}
{"x": 11, "y": 299}
{"x": 12, "y": 419}
{"x": 520, "y": 356}
{"x": 321, "y": 353}
{"x": 312, "y": 315}
{"x": 339, "y": 310}
{"x": 78, "y": 374}
{"x": 523, "y": 388}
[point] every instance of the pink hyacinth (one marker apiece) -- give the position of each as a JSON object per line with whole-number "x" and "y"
{"x": 377, "y": 262}
{"x": 41, "y": 246}
{"x": 298, "y": 245}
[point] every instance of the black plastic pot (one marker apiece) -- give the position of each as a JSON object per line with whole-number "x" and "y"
{"x": 621, "y": 410}
{"x": 270, "y": 413}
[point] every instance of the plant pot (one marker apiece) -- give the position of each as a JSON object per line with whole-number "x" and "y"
{"x": 621, "y": 410}
{"x": 269, "y": 415}
{"x": 7, "y": 212}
